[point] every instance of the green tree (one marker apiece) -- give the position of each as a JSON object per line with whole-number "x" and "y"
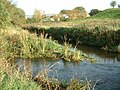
{"x": 118, "y": 5}
{"x": 94, "y": 11}
{"x": 113, "y": 3}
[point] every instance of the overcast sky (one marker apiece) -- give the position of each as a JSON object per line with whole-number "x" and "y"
{"x": 54, "y": 6}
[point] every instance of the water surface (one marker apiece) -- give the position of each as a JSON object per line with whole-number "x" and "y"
{"x": 106, "y": 69}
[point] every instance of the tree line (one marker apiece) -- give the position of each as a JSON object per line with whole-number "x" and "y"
{"x": 64, "y": 15}
{"x": 11, "y": 15}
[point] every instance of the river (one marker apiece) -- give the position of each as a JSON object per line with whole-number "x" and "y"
{"x": 106, "y": 71}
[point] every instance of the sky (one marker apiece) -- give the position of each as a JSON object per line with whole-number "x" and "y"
{"x": 55, "y": 6}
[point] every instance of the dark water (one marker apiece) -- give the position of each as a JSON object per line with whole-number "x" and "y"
{"x": 106, "y": 70}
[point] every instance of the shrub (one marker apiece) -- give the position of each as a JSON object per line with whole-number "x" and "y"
{"x": 4, "y": 16}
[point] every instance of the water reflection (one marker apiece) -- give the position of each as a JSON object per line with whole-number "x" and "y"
{"x": 101, "y": 55}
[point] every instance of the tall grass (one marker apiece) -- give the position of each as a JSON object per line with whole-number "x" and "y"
{"x": 12, "y": 79}
{"x": 22, "y": 44}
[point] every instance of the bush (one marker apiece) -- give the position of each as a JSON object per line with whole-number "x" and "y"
{"x": 10, "y": 14}
{"x": 93, "y": 12}
{"x": 4, "y": 16}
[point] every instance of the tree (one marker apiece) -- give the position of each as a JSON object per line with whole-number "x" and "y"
{"x": 37, "y": 16}
{"x": 63, "y": 11}
{"x": 76, "y": 13}
{"x": 118, "y": 5}
{"x": 113, "y": 3}
{"x": 79, "y": 12}
{"x": 93, "y": 12}
{"x": 79, "y": 8}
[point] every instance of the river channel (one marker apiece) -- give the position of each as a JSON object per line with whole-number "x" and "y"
{"x": 106, "y": 71}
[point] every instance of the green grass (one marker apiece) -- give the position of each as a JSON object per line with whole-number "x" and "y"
{"x": 113, "y": 13}
{"x": 11, "y": 79}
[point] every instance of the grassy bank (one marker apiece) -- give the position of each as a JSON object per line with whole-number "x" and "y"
{"x": 104, "y": 34}
{"x": 111, "y": 13}
{"x": 22, "y": 44}
{"x": 16, "y": 81}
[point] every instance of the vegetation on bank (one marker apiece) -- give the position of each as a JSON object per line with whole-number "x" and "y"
{"x": 11, "y": 78}
{"x": 16, "y": 81}
{"x": 104, "y": 34}
{"x": 24, "y": 45}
